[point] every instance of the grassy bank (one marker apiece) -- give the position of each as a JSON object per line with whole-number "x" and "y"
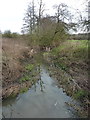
{"x": 68, "y": 63}
{"x": 72, "y": 57}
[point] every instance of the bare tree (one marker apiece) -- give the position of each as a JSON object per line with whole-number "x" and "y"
{"x": 62, "y": 12}
{"x": 84, "y": 19}
{"x": 41, "y": 10}
{"x": 30, "y": 19}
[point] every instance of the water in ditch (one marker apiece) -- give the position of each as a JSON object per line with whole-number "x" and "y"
{"x": 42, "y": 100}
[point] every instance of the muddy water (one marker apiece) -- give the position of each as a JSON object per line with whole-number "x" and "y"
{"x": 43, "y": 100}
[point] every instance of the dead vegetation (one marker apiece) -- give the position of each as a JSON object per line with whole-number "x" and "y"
{"x": 12, "y": 52}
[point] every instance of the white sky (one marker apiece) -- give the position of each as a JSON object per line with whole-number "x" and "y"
{"x": 12, "y": 11}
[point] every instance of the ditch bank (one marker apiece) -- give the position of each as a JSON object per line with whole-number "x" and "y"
{"x": 16, "y": 56}
{"x": 69, "y": 83}
{"x": 21, "y": 80}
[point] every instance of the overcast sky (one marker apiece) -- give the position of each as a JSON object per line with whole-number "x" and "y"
{"x": 12, "y": 11}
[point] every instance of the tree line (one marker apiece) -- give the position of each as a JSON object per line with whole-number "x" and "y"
{"x": 44, "y": 29}
{"x": 48, "y": 30}
{"x": 9, "y": 34}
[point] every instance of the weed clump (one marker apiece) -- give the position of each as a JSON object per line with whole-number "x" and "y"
{"x": 25, "y": 78}
{"x": 81, "y": 94}
{"x": 29, "y": 67}
{"x": 23, "y": 90}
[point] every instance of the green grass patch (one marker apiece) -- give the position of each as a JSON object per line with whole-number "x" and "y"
{"x": 73, "y": 49}
{"x": 57, "y": 50}
{"x": 81, "y": 53}
{"x": 70, "y": 51}
{"x": 23, "y": 90}
{"x": 25, "y": 78}
{"x": 46, "y": 53}
{"x": 29, "y": 67}
{"x": 81, "y": 94}
{"x": 61, "y": 65}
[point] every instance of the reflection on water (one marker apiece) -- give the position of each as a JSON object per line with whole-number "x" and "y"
{"x": 42, "y": 100}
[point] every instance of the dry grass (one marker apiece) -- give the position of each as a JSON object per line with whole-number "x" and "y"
{"x": 14, "y": 47}
{"x": 12, "y": 52}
